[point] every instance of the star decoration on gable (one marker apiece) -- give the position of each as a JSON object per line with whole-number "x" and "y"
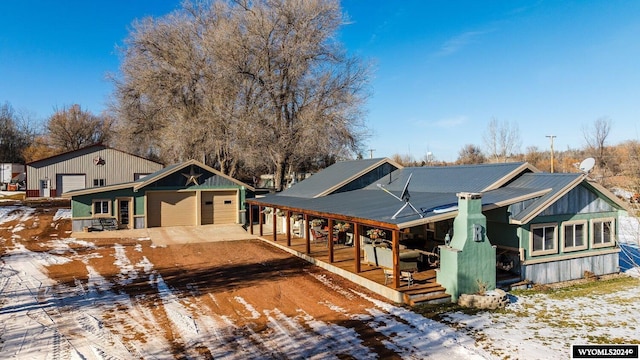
{"x": 192, "y": 177}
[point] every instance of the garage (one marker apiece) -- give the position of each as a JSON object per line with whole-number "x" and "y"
{"x": 186, "y": 194}
{"x": 68, "y": 182}
{"x": 171, "y": 208}
{"x": 218, "y": 207}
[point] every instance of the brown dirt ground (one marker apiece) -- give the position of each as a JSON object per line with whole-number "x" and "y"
{"x": 209, "y": 274}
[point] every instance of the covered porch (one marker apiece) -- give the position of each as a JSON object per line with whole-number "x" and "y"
{"x": 400, "y": 264}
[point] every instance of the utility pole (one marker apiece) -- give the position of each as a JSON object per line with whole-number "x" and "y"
{"x": 551, "y": 137}
{"x": 371, "y": 153}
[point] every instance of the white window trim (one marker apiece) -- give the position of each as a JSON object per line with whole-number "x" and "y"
{"x": 592, "y": 233}
{"x": 93, "y": 208}
{"x": 555, "y": 239}
{"x": 585, "y": 234}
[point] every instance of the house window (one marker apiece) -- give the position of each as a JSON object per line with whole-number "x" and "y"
{"x": 574, "y": 236}
{"x": 602, "y": 233}
{"x": 98, "y": 182}
{"x": 101, "y": 208}
{"x": 543, "y": 239}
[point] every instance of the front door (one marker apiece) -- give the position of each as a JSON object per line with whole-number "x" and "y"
{"x": 124, "y": 213}
{"x": 45, "y": 188}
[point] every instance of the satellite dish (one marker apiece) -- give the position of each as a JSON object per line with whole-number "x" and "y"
{"x": 403, "y": 197}
{"x": 587, "y": 164}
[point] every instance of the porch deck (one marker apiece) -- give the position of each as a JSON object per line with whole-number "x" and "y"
{"x": 424, "y": 289}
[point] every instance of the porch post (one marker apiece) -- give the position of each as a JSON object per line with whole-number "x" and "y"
{"x": 275, "y": 225}
{"x": 260, "y": 219}
{"x": 356, "y": 247}
{"x": 250, "y": 218}
{"x": 396, "y": 258}
{"x": 288, "y": 228}
{"x": 307, "y": 235}
{"x": 330, "y": 240}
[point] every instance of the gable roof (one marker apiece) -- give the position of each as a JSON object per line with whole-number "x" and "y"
{"x": 454, "y": 179}
{"x": 433, "y": 192}
{"x": 82, "y": 151}
{"x": 334, "y": 177}
{"x": 151, "y": 178}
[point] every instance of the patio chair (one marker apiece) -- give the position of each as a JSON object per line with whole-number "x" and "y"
{"x": 349, "y": 241}
{"x": 319, "y": 236}
{"x": 404, "y": 276}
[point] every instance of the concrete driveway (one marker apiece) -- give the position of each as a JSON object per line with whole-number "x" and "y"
{"x": 175, "y": 234}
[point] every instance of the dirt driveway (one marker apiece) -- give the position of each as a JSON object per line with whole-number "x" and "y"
{"x": 66, "y": 296}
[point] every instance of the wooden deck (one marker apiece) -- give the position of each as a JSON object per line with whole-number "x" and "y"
{"x": 424, "y": 289}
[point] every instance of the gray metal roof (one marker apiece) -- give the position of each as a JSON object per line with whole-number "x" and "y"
{"x": 328, "y": 178}
{"x": 449, "y": 179}
{"x": 376, "y": 205}
{"x": 557, "y": 183}
{"x": 430, "y": 188}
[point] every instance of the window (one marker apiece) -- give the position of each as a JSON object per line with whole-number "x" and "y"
{"x": 602, "y": 233}
{"x": 101, "y": 207}
{"x": 543, "y": 239}
{"x": 98, "y": 182}
{"x": 574, "y": 236}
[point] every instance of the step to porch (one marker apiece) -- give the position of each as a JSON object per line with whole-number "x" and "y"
{"x": 429, "y": 293}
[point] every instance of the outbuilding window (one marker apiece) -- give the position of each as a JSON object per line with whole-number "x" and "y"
{"x": 574, "y": 236}
{"x": 99, "y": 182}
{"x": 602, "y": 233}
{"x": 101, "y": 208}
{"x": 543, "y": 239}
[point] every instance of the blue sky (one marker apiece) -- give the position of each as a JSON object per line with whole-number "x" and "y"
{"x": 442, "y": 69}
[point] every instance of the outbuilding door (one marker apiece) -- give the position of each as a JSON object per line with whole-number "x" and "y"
{"x": 70, "y": 182}
{"x": 218, "y": 207}
{"x": 171, "y": 208}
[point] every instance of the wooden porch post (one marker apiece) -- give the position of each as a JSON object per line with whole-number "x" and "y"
{"x": 288, "y": 228}
{"x": 260, "y": 219}
{"x": 330, "y": 240}
{"x": 396, "y": 258}
{"x": 250, "y": 218}
{"x": 275, "y": 225}
{"x": 307, "y": 235}
{"x": 356, "y": 247}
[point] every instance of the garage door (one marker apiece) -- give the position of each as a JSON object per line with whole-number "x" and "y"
{"x": 171, "y": 209}
{"x": 219, "y": 207}
{"x": 70, "y": 182}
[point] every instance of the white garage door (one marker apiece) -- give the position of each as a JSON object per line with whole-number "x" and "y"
{"x": 71, "y": 182}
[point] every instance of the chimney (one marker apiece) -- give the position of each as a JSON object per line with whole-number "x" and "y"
{"x": 468, "y": 264}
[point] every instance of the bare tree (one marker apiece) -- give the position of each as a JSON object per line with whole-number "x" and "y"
{"x": 596, "y": 138}
{"x": 73, "y": 128}
{"x": 15, "y": 135}
{"x": 470, "y": 154}
{"x": 243, "y": 82}
{"x": 502, "y": 140}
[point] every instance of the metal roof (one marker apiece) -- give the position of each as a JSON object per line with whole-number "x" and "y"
{"x": 376, "y": 205}
{"x": 558, "y": 185}
{"x": 435, "y": 188}
{"x": 452, "y": 179}
{"x": 162, "y": 173}
{"x": 334, "y": 176}
{"x": 430, "y": 188}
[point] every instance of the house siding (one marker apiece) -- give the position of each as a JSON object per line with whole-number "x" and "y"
{"x": 119, "y": 168}
{"x": 571, "y": 269}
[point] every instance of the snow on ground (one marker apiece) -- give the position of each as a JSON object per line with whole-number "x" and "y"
{"x": 43, "y": 319}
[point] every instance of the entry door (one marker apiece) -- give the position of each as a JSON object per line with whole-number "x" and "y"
{"x": 124, "y": 213}
{"x": 45, "y": 188}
